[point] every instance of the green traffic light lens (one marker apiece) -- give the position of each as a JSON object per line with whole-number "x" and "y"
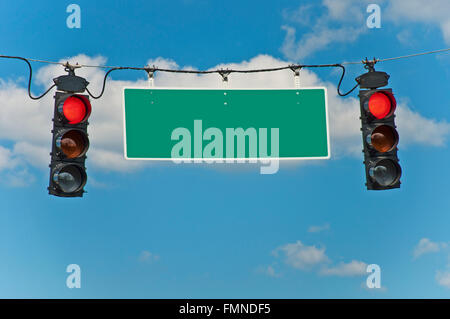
{"x": 70, "y": 178}
{"x": 385, "y": 172}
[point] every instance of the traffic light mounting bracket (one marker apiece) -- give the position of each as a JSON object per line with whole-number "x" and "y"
{"x": 372, "y": 79}
{"x": 70, "y": 82}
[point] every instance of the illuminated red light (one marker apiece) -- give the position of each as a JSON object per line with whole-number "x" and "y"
{"x": 75, "y": 109}
{"x": 381, "y": 105}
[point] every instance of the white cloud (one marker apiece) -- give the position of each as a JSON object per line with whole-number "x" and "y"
{"x": 434, "y": 12}
{"x": 353, "y": 268}
{"x": 111, "y": 160}
{"x": 13, "y": 173}
{"x": 163, "y": 63}
{"x": 342, "y": 22}
{"x": 445, "y": 26}
{"x": 98, "y": 184}
{"x": 431, "y": 132}
{"x": 301, "y": 256}
{"x": 317, "y": 229}
{"x": 31, "y": 140}
{"x": 317, "y": 40}
{"x": 346, "y": 10}
{"x": 17, "y": 108}
{"x": 6, "y": 159}
{"x": 269, "y": 271}
{"x": 148, "y": 257}
{"x": 303, "y": 15}
{"x": 443, "y": 279}
{"x": 306, "y": 258}
{"x": 20, "y": 178}
{"x": 426, "y": 246}
{"x": 35, "y": 155}
{"x": 406, "y": 37}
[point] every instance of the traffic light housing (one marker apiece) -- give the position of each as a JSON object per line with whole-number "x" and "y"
{"x": 380, "y": 139}
{"x": 70, "y": 143}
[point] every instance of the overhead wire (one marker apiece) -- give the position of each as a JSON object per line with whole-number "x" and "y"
{"x": 222, "y": 72}
{"x": 30, "y": 76}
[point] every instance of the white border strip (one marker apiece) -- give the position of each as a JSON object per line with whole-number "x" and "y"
{"x": 226, "y": 160}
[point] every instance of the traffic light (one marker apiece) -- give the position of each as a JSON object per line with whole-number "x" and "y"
{"x": 380, "y": 139}
{"x": 69, "y": 144}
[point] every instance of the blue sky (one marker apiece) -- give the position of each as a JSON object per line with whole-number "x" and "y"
{"x": 148, "y": 230}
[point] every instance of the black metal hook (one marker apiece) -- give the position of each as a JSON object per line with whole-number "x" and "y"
{"x": 296, "y": 69}
{"x": 150, "y": 71}
{"x": 370, "y": 65}
{"x": 224, "y": 74}
{"x": 69, "y": 68}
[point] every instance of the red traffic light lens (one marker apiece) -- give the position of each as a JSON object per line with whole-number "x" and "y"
{"x": 73, "y": 143}
{"x": 384, "y": 138}
{"x": 76, "y": 109}
{"x": 381, "y": 104}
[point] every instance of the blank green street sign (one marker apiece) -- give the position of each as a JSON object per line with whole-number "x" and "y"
{"x": 167, "y": 123}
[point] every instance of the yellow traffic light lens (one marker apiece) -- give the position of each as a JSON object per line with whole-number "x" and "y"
{"x": 70, "y": 178}
{"x": 384, "y": 138}
{"x": 385, "y": 172}
{"x": 73, "y": 143}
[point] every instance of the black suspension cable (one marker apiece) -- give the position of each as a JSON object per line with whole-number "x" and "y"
{"x": 227, "y": 71}
{"x": 29, "y": 79}
{"x": 222, "y": 72}
{"x": 340, "y": 82}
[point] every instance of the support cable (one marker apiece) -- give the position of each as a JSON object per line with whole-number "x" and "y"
{"x": 223, "y": 73}
{"x": 29, "y": 78}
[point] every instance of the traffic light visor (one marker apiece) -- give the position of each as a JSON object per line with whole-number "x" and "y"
{"x": 73, "y": 143}
{"x": 70, "y": 178}
{"x": 382, "y": 104}
{"x": 384, "y": 138}
{"x": 76, "y": 109}
{"x": 385, "y": 172}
